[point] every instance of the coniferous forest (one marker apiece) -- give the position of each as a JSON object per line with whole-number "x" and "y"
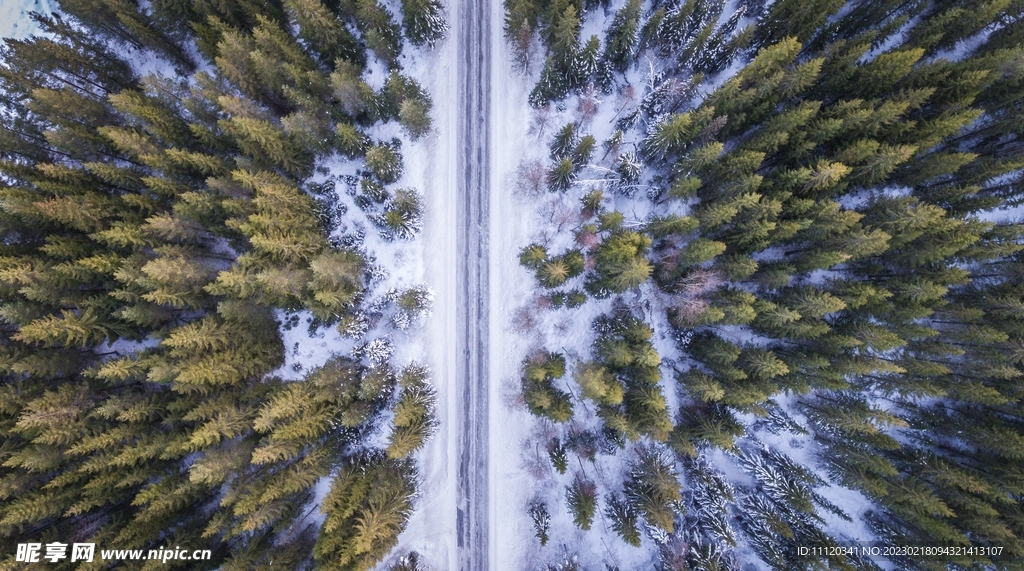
{"x": 164, "y": 210}
{"x": 791, "y": 229}
{"x": 791, "y": 223}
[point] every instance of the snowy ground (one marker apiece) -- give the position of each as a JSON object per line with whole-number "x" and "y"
{"x": 521, "y": 323}
{"x": 430, "y": 164}
{"x": 430, "y": 258}
{"x": 512, "y": 222}
{"x": 520, "y": 469}
{"x": 14, "y": 17}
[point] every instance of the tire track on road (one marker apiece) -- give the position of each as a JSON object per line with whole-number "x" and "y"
{"x": 474, "y": 62}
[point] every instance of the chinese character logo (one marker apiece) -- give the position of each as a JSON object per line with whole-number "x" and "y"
{"x": 28, "y": 552}
{"x": 83, "y": 552}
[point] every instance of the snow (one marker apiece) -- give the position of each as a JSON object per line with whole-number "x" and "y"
{"x": 802, "y": 449}
{"x": 430, "y": 167}
{"x": 1013, "y": 214}
{"x": 520, "y": 469}
{"x": 14, "y": 17}
{"x": 522, "y": 321}
{"x": 400, "y": 264}
{"x": 512, "y": 485}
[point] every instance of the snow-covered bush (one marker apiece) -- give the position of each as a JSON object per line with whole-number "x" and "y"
{"x": 401, "y": 217}
{"x": 385, "y": 161}
{"x": 538, "y": 511}
{"x": 377, "y": 351}
{"x": 410, "y": 562}
{"x": 413, "y": 304}
{"x": 353, "y": 325}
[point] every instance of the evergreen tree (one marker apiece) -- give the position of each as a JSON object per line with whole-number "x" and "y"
{"x": 384, "y": 162}
{"x": 423, "y": 21}
{"x": 581, "y": 498}
{"x": 380, "y": 32}
{"x": 839, "y": 229}
{"x": 621, "y": 262}
{"x": 558, "y": 456}
{"x": 553, "y": 84}
{"x": 622, "y": 36}
{"x": 598, "y": 384}
{"x": 368, "y": 506}
{"x": 541, "y": 520}
{"x": 625, "y": 354}
{"x": 324, "y": 32}
{"x": 652, "y": 488}
{"x": 624, "y": 519}
{"x": 539, "y": 392}
{"x": 151, "y": 229}
{"x": 414, "y": 419}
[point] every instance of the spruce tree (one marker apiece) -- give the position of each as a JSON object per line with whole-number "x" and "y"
{"x": 423, "y": 21}
{"x": 581, "y": 497}
{"x": 622, "y": 36}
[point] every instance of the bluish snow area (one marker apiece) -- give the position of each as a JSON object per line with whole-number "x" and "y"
{"x": 14, "y": 17}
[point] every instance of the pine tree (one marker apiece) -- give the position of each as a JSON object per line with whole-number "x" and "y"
{"x": 564, "y": 141}
{"x": 541, "y": 520}
{"x": 414, "y": 420}
{"x": 380, "y": 32}
{"x": 625, "y": 352}
{"x": 621, "y": 262}
{"x": 324, "y": 32}
{"x": 585, "y": 63}
{"x": 624, "y": 519}
{"x": 401, "y": 216}
{"x": 629, "y": 169}
{"x": 409, "y": 562}
{"x": 368, "y": 505}
{"x": 351, "y": 93}
{"x": 539, "y": 392}
{"x": 581, "y": 498}
{"x": 423, "y": 21}
{"x": 796, "y": 19}
{"x": 126, "y": 220}
{"x": 558, "y": 456}
{"x": 565, "y": 41}
{"x": 552, "y": 85}
{"x": 851, "y": 283}
{"x": 125, "y": 21}
{"x": 622, "y": 36}
{"x": 598, "y": 384}
{"x": 562, "y": 175}
{"x": 414, "y": 115}
{"x": 522, "y": 18}
{"x": 384, "y": 162}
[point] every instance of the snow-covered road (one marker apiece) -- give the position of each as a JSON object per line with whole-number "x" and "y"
{"x": 472, "y": 373}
